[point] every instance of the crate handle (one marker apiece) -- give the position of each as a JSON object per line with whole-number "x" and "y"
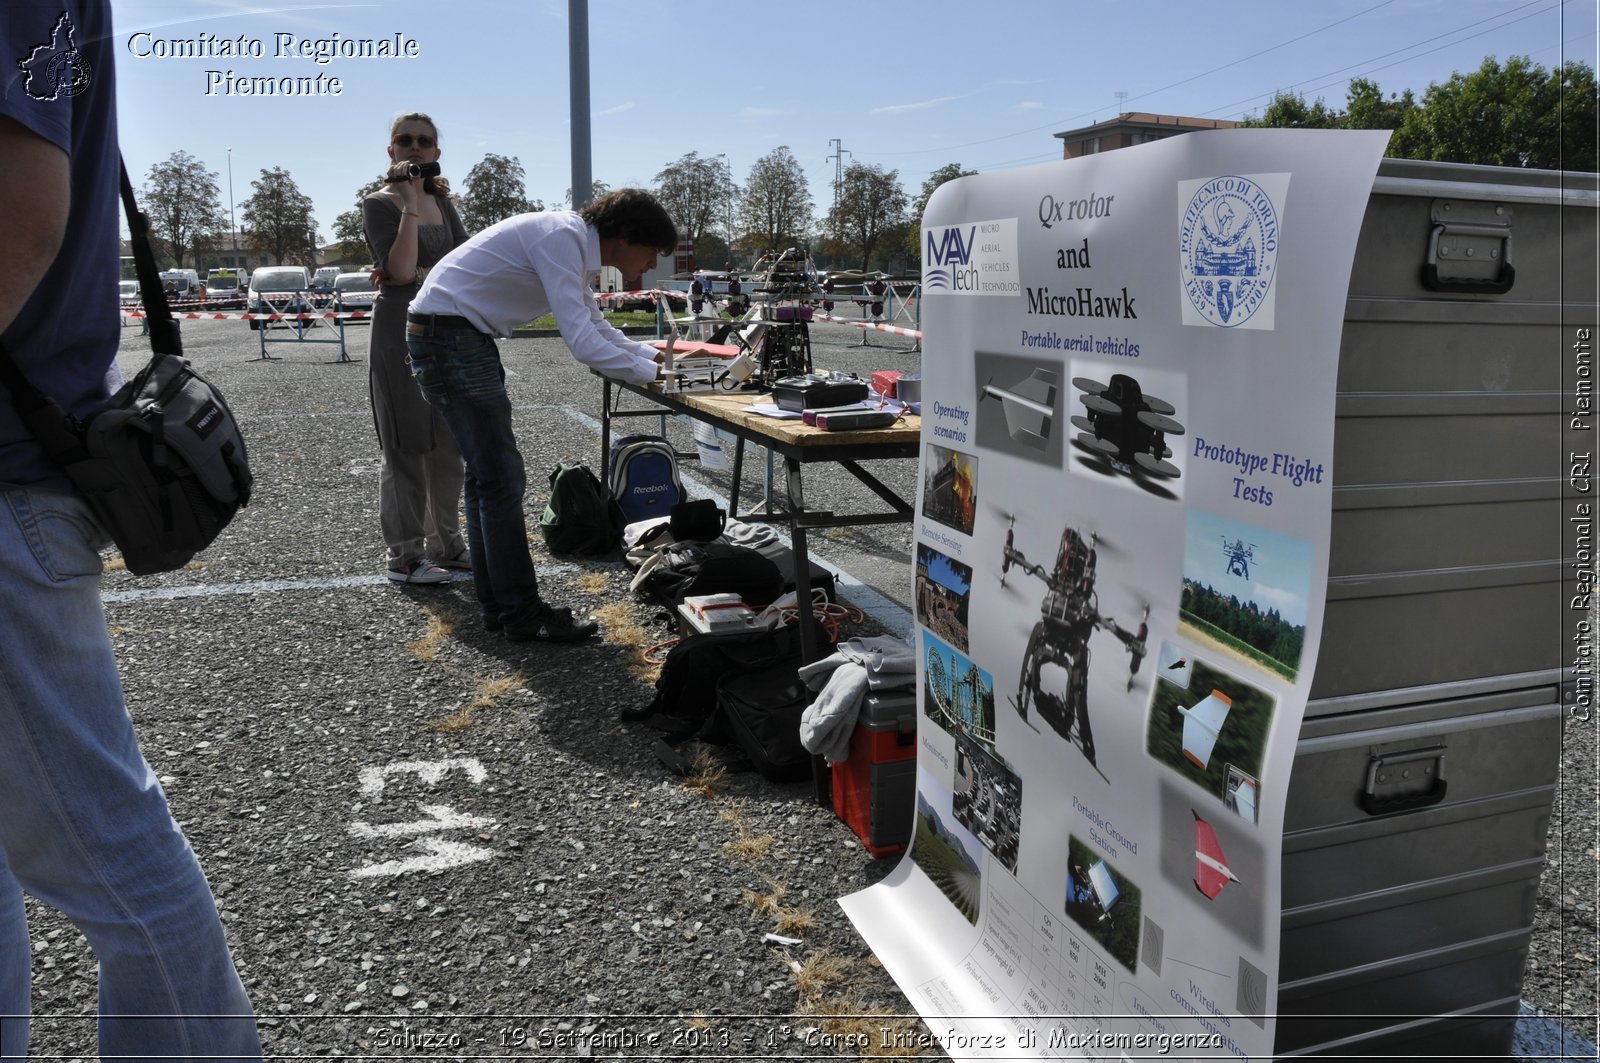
{"x": 1467, "y": 285}
{"x": 1374, "y": 805}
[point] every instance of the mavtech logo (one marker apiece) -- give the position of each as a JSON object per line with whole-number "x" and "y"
{"x": 974, "y": 258}
{"x": 949, "y": 257}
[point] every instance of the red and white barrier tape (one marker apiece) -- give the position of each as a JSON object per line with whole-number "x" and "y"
{"x": 191, "y": 316}
{"x": 896, "y": 329}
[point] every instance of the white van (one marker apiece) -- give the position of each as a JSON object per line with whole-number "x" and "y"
{"x": 279, "y": 290}
{"x": 184, "y": 284}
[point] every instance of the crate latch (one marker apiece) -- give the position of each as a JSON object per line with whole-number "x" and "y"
{"x": 1469, "y": 248}
{"x": 1404, "y": 780}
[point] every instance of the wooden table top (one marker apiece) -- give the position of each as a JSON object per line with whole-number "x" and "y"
{"x": 733, "y": 407}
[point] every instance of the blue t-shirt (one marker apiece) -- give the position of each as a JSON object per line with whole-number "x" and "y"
{"x": 56, "y": 79}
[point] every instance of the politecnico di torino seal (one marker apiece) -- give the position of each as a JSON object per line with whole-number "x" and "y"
{"x": 1229, "y": 249}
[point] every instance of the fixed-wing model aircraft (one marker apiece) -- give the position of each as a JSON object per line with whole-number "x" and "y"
{"x": 1201, "y": 725}
{"x": 1029, "y": 407}
{"x": 1211, "y": 871}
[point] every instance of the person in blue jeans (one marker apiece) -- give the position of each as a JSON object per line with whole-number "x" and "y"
{"x": 513, "y": 272}
{"x": 84, "y": 826}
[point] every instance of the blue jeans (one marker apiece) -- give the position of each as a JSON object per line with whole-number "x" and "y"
{"x": 84, "y": 826}
{"x": 459, "y": 371}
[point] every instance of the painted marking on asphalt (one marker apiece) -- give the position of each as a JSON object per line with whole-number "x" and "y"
{"x": 888, "y": 612}
{"x": 429, "y": 771}
{"x": 269, "y": 586}
{"x": 438, "y": 853}
{"x": 439, "y": 818}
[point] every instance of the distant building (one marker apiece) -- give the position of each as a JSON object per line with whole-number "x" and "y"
{"x": 1134, "y": 127}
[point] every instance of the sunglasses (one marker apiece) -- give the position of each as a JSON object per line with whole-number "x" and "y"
{"x": 422, "y": 141}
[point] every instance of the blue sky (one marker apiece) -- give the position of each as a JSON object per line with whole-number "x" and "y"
{"x": 1280, "y": 571}
{"x": 906, "y": 86}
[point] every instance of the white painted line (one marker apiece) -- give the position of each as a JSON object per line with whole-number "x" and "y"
{"x": 268, "y": 586}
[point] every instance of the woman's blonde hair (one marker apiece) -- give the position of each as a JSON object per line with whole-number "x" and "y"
{"x": 440, "y": 184}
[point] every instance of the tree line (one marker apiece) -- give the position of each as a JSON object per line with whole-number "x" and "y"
{"x": 1263, "y": 630}
{"x": 1515, "y": 114}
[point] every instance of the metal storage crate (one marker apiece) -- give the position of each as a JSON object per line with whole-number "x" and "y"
{"x": 1423, "y": 780}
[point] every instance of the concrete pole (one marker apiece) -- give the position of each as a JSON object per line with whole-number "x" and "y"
{"x": 578, "y": 62}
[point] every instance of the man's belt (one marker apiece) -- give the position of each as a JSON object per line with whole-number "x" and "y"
{"x": 424, "y": 324}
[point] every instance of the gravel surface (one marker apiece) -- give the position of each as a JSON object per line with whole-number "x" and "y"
{"x": 594, "y": 904}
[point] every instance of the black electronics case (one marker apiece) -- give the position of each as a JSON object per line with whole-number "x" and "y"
{"x": 811, "y": 390}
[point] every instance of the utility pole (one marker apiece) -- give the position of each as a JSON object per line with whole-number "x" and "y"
{"x": 837, "y": 158}
{"x": 233, "y": 225}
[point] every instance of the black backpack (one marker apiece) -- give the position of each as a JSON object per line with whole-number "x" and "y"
{"x": 692, "y": 568}
{"x": 759, "y": 713}
{"x": 581, "y": 517}
{"x": 686, "y": 691}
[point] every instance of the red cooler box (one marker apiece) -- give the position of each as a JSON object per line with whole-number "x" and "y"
{"x": 875, "y": 790}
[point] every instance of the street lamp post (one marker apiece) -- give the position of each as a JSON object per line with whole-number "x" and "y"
{"x": 233, "y": 226}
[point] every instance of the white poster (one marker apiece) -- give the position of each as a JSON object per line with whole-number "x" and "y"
{"x": 1122, "y": 540}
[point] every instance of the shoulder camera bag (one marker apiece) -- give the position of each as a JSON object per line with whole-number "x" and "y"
{"x": 162, "y": 464}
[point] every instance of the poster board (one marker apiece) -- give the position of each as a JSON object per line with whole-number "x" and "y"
{"x": 1122, "y": 531}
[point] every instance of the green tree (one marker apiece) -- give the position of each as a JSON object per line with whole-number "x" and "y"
{"x": 495, "y": 189}
{"x": 948, "y": 172}
{"x": 696, "y": 192}
{"x": 279, "y": 218}
{"x": 1516, "y": 114}
{"x": 597, "y": 189}
{"x": 776, "y": 210}
{"x": 349, "y": 232}
{"x": 871, "y": 203}
{"x": 181, "y": 199}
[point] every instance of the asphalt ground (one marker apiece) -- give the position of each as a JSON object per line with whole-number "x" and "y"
{"x": 422, "y": 834}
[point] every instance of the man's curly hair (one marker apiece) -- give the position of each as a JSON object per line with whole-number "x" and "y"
{"x": 634, "y": 215}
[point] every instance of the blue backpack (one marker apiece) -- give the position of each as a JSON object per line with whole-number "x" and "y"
{"x": 644, "y": 477}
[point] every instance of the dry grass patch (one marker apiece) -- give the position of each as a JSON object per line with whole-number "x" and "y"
{"x": 459, "y": 720}
{"x": 593, "y": 583}
{"x": 426, "y": 648}
{"x": 706, "y": 775}
{"x": 791, "y": 922}
{"x": 769, "y": 903}
{"x": 621, "y": 624}
{"x": 491, "y": 690}
{"x": 752, "y": 846}
{"x": 115, "y": 564}
{"x": 815, "y": 975}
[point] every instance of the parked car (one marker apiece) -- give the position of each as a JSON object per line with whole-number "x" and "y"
{"x": 129, "y": 292}
{"x": 354, "y": 291}
{"x": 279, "y": 290}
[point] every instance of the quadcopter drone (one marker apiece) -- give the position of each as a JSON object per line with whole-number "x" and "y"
{"x": 1069, "y": 614}
{"x": 1239, "y": 556}
{"x": 1126, "y": 426}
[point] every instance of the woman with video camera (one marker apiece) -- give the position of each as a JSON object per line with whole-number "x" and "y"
{"x": 410, "y": 224}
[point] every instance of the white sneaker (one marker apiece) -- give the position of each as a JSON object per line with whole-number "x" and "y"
{"x": 419, "y": 571}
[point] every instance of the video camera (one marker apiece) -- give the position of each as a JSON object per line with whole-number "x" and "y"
{"x": 415, "y": 170}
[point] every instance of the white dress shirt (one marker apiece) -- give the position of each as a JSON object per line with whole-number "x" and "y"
{"x": 525, "y": 267}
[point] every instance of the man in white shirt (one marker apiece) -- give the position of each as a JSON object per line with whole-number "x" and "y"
{"x": 509, "y": 274}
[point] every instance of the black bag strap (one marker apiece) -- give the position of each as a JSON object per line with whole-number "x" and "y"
{"x": 43, "y": 415}
{"x": 164, "y": 336}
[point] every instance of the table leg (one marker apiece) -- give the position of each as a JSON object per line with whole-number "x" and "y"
{"x": 738, "y": 471}
{"x": 605, "y": 429}
{"x": 809, "y": 650}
